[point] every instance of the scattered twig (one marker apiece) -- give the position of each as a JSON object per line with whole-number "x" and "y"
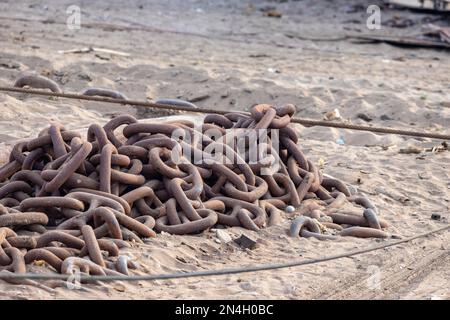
{"x": 93, "y": 49}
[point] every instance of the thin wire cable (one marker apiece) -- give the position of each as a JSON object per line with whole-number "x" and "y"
{"x": 227, "y": 271}
{"x": 302, "y": 121}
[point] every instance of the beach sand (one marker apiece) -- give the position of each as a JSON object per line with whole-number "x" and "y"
{"x": 228, "y": 55}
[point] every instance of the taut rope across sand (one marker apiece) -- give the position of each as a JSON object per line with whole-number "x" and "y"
{"x": 246, "y": 269}
{"x": 305, "y": 122}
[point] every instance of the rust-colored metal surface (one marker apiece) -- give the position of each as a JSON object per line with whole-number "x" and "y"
{"x": 63, "y": 198}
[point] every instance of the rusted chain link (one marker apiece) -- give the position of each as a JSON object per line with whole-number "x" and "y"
{"x": 74, "y": 203}
{"x": 86, "y": 195}
{"x": 302, "y": 121}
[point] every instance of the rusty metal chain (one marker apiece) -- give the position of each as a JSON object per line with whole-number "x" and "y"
{"x": 63, "y": 198}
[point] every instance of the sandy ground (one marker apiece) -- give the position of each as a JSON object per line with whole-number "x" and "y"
{"x": 228, "y": 55}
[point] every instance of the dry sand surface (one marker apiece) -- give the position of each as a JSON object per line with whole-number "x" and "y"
{"x": 228, "y": 55}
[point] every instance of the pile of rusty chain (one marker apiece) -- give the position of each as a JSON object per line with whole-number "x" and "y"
{"x": 63, "y": 198}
